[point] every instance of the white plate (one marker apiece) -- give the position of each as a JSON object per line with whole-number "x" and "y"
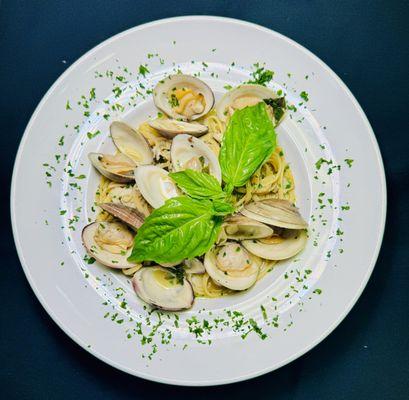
{"x": 312, "y": 294}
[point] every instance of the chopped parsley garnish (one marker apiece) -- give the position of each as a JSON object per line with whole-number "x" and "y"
{"x": 304, "y": 95}
{"x": 92, "y": 135}
{"x": 173, "y": 101}
{"x": 89, "y": 260}
{"x": 143, "y": 70}
{"x": 117, "y": 91}
{"x": 349, "y": 162}
{"x": 261, "y": 76}
{"x": 321, "y": 161}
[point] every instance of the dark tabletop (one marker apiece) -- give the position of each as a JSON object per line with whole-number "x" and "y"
{"x": 366, "y": 43}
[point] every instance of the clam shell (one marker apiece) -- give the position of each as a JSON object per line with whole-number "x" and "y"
{"x": 292, "y": 244}
{"x": 155, "y": 185}
{"x": 275, "y": 212}
{"x": 186, "y": 148}
{"x": 95, "y": 159}
{"x": 161, "y": 94}
{"x": 230, "y": 281}
{"x": 194, "y": 266}
{"x": 117, "y": 261}
{"x": 242, "y": 96}
{"x": 169, "y": 128}
{"x": 171, "y": 297}
{"x": 131, "y": 143}
{"x": 239, "y": 227}
{"x": 131, "y": 216}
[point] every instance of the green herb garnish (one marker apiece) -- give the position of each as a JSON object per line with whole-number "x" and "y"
{"x": 179, "y": 273}
{"x": 186, "y": 227}
{"x": 248, "y": 142}
{"x": 198, "y": 185}
{"x": 304, "y": 95}
{"x": 278, "y": 106}
{"x": 261, "y": 76}
{"x": 173, "y": 101}
{"x": 182, "y": 228}
{"x": 143, "y": 70}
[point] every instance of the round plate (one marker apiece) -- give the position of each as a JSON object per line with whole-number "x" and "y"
{"x": 334, "y": 157}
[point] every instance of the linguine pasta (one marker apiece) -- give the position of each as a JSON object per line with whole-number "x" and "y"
{"x": 273, "y": 180}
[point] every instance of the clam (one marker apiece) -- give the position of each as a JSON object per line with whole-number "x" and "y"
{"x": 290, "y": 237}
{"x": 118, "y": 168}
{"x": 194, "y": 266}
{"x": 249, "y": 95}
{"x": 275, "y": 212}
{"x": 188, "y": 152}
{"x": 131, "y": 143}
{"x": 183, "y": 97}
{"x": 287, "y": 245}
{"x": 239, "y": 227}
{"x": 110, "y": 243}
{"x": 130, "y": 216}
{"x": 155, "y": 185}
{"x": 161, "y": 288}
{"x": 232, "y": 266}
{"x": 169, "y": 128}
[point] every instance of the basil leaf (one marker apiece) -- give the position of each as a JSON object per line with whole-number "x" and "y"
{"x": 222, "y": 208}
{"x": 198, "y": 184}
{"x": 182, "y": 228}
{"x": 248, "y": 142}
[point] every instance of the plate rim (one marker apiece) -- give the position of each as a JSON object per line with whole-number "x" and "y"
{"x": 152, "y": 377}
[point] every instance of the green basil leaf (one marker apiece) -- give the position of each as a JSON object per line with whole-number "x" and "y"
{"x": 248, "y": 142}
{"x": 182, "y": 228}
{"x": 199, "y": 185}
{"x": 222, "y": 208}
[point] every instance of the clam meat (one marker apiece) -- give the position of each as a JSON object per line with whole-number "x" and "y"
{"x": 232, "y": 266}
{"x": 188, "y": 152}
{"x": 162, "y": 288}
{"x": 131, "y": 143}
{"x": 183, "y": 97}
{"x": 110, "y": 243}
{"x": 155, "y": 185}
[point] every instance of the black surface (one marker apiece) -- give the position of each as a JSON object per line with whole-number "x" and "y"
{"x": 366, "y": 43}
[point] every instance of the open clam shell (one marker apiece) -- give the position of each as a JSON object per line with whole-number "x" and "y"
{"x": 103, "y": 241}
{"x": 249, "y": 95}
{"x": 155, "y": 185}
{"x": 169, "y": 128}
{"x": 278, "y": 248}
{"x": 232, "y": 266}
{"x": 118, "y": 168}
{"x": 188, "y": 152}
{"x": 239, "y": 227}
{"x": 275, "y": 212}
{"x": 183, "y": 97}
{"x": 161, "y": 288}
{"x": 130, "y": 216}
{"x": 131, "y": 143}
{"x": 194, "y": 266}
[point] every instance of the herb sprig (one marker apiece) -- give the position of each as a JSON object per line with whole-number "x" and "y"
{"x": 187, "y": 226}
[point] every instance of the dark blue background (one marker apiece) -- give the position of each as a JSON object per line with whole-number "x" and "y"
{"x": 366, "y": 43}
